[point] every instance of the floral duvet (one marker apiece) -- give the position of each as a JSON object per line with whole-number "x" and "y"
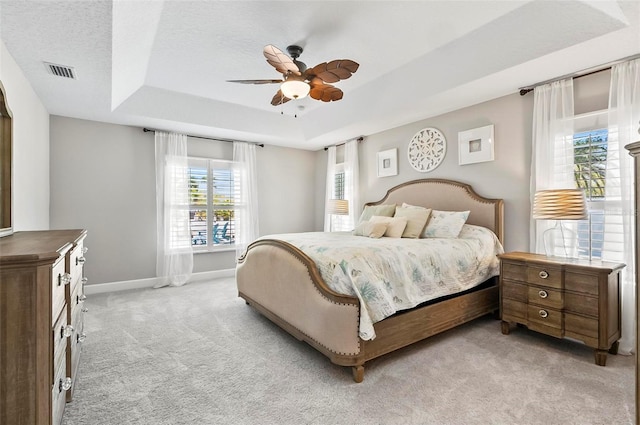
{"x": 393, "y": 274}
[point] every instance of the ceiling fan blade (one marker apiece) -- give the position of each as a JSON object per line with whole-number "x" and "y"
{"x": 325, "y": 92}
{"x": 255, "y": 81}
{"x": 279, "y": 99}
{"x": 280, "y": 61}
{"x": 334, "y": 71}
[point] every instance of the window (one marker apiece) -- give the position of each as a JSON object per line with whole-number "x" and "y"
{"x": 590, "y": 160}
{"x": 339, "y": 222}
{"x": 211, "y": 204}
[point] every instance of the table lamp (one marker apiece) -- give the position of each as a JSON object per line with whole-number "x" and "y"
{"x": 560, "y": 204}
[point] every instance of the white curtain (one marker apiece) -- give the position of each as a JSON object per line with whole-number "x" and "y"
{"x": 348, "y": 188}
{"x": 351, "y": 184}
{"x": 245, "y": 183}
{"x": 330, "y": 186}
{"x": 174, "y": 261}
{"x": 619, "y": 226}
{"x": 552, "y": 155}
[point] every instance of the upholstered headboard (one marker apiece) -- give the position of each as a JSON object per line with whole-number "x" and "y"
{"x": 449, "y": 195}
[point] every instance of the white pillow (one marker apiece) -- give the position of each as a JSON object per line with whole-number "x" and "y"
{"x": 369, "y": 229}
{"x": 416, "y": 220}
{"x": 369, "y": 211}
{"x": 395, "y": 225}
{"x": 445, "y": 224}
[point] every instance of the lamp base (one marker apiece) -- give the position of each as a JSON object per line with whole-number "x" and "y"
{"x": 560, "y": 241}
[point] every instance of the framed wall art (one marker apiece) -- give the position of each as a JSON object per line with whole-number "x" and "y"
{"x": 388, "y": 163}
{"x": 427, "y": 149}
{"x": 475, "y": 145}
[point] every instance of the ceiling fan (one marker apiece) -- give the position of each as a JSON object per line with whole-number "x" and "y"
{"x": 298, "y": 81}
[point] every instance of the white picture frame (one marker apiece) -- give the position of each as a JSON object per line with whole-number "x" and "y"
{"x": 476, "y": 145}
{"x": 388, "y": 163}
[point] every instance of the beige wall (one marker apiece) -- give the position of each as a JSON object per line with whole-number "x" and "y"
{"x": 103, "y": 179}
{"x": 30, "y": 148}
{"x": 506, "y": 177}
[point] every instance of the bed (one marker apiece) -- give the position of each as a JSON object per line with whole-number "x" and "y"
{"x": 284, "y": 284}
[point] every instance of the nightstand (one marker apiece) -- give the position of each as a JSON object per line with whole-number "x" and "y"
{"x": 563, "y": 297}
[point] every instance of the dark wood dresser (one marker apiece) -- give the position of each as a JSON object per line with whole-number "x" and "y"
{"x": 41, "y": 323}
{"x": 563, "y": 297}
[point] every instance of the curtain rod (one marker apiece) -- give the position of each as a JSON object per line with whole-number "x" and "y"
{"x": 146, "y": 130}
{"x": 359, "y": 139}
{"x": 593, "y": 70}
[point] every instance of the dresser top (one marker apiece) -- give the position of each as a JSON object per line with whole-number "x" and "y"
{"x": 561, "y": 261}
{"x": 35, "y": 246}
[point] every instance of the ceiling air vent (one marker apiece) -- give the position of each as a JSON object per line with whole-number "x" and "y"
{"x": 61, "y": 70}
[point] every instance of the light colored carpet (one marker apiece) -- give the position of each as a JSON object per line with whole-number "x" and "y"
{"x": 199, "y": 355}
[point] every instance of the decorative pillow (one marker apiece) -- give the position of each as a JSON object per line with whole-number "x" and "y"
{"x": 416, "y": 220}
{"x": 369, "y": 229}
{"x": 395, "y": 225}
{"x": 385, "y": 210}
{"x": 445, "y": 224}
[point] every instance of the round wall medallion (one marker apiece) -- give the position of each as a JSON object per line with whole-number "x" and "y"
{"x": 427, "y": 149}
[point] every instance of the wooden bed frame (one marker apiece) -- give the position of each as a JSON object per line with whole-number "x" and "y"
{"x": 284, "y": 284}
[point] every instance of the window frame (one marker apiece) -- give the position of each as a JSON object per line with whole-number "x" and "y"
{"x": 210, "y": 207}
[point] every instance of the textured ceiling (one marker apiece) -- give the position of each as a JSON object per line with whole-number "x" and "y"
{"x": 165, "y": 64}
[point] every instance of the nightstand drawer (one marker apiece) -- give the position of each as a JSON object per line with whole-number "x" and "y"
{"x": 514, "y": 310}
{"x": 581, "y": 325}
{"x": 545, "y": 297}
{"x": 514, "y": 291}
{"x": 581, "y": 283}
{"x": 582, "y": 304}
{"x": 514, "y": 271}
{"x": 544, "y": 316}
{"x": 545, "y": 276}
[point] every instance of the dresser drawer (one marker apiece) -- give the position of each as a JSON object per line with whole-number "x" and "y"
{"x": 544, "y": 316}
{"x": 59, "y": 279}
{"x": 58, "y": 392}
{"x": 545, "y": 297}
{"x": 578, "y": 282}
{"x": 545, "y": 276}
{"x": 76, "y": 262}
{"x": 513, "y": 271}
{"x": 515, "y": 291}
{"x": 59, "y": 337}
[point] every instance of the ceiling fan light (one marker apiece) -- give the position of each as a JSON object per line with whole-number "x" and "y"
{"x": 295, "y": 89}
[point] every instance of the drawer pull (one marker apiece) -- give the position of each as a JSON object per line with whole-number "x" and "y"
{"x": 84, "y": 249}
{"x": 81, "y": 337}
{"x": 543, "y": 274}
{"x": 80, "y": 260}
{"x": 85, "y": 310}
{"x": 80, "y": 298}
{"x": 64, "y": 385}
{"x": 543, "y": 313}
{"x": 543, "y": 294}
{"x": 66, "y": 331}
{"x": 84, "y": 280}
{"x": 64, "y": 279}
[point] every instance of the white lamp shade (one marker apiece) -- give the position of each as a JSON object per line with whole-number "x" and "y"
{"x": 295, "y": 89}
{"x": 560, "y": 204}
{"x": 338, "y": 206}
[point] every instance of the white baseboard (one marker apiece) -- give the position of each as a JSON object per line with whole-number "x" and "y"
{"x": 125, "y": 285}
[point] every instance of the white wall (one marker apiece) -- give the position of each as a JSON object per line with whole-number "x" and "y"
{"x": 103, "y": 180}
{"x": 30, "y": 148}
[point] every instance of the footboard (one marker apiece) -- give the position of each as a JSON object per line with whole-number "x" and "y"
{"x": 284, "y": 284}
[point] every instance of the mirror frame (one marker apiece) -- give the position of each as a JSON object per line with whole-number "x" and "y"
{"x": 6, "y": 166}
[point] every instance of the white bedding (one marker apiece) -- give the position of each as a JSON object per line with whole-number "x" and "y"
{"x": 393, "y": 274}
